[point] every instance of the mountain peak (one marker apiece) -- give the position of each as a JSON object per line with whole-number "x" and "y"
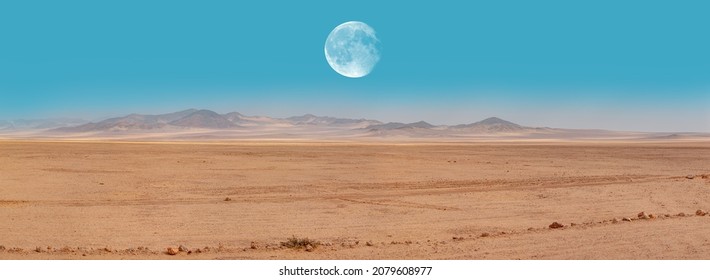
{"x": 204, "y": 119}
{"x": 496, "y": 120}
{"x": 420, "y": 124}
{"x": 304, "y": 118}
{"x": 491, "y": 125}
{"x": 204, "y": 112}
{"x": 397, "y": 125}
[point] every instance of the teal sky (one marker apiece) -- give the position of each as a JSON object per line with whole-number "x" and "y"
{"x": 626, "y": 65}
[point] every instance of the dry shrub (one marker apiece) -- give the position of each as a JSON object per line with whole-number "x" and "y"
{"x": 298, "y": 243}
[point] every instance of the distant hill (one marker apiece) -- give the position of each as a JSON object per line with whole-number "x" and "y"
{"x": 204, "y": 119}
{"x": 193, "y": 118}
{"x": 490, "y": 125}
{"x": 130, "y": 122}
{"x": 396, "y": 125}
{"x": 310, "y": 119}
{"x": 206, "y": 124}
{"x": 23, "y": 124}
{"x": 487, "y": 126}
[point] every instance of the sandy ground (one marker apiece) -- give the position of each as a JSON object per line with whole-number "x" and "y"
{"x": 94, "y": 200}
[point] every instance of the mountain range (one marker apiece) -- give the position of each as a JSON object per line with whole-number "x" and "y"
{"x": 206, "y": 124}
{"x": 23, "y": 124}
{"x": 206, "y": 119}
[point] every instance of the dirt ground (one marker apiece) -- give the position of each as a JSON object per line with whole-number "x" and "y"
{"x": 120, "y": 200}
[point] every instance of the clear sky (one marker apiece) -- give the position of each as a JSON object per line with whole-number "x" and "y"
{"x": 627, "y": 65}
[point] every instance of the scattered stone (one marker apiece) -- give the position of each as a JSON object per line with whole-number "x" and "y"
{"x": 328, "y": 244}
{"x": 228, "y": 199}
{"x": 182, "y": 248}
{"x": 369, "y": 243}
{"x": 485, "y": 234}
{"x": 198, "y": 251}
{"x": 556, "y": 225}
{"x": 573, "y": 224}
{"x": 2, "y": 248}
{"x": 39, "y": 250}
{"x": 531, "y": 228}
{"x": 642, "y": 215}
{"x": 254, "y": 245}
{"x": 16, "y": 250}
{"x": 705, "y": 176}
{"x": 667, "y": 215}
{"x": 172, "y": 251}
{"x": 309, "y": 248}
{"x": 681, "y": 214}
{"x": 615, "y": 221}
{"x": 700, "y": 212}
{"x": 651, "y": 216}
{"x": 690, "y": 177}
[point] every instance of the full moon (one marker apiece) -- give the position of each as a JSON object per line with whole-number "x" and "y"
{"x": 352, "y": 49}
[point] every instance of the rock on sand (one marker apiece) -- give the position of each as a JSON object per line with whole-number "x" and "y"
{"x": 643, "y": 215}
{"x": 556, "y": 225}
{"x": 172, "y": 251}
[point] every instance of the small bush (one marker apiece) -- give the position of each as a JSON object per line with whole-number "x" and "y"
{"x": 298, "y": 243}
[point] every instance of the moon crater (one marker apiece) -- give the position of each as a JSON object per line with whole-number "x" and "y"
{"x": 352, "y": 49}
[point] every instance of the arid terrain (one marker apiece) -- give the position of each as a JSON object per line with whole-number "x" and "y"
{"x": 354, "y": 200}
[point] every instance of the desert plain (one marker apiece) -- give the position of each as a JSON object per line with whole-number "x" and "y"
{"x": 354, "y": 200}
